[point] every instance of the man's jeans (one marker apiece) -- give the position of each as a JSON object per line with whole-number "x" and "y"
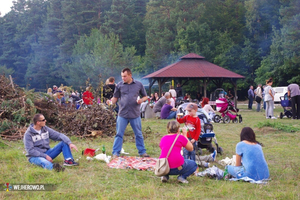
{"x": 172, "y": 115}
{"x": 53, "y": 153}
{"x": 250, "y": 102}
{"x": 136, "y": 125}
{"x": 188, "y": 168}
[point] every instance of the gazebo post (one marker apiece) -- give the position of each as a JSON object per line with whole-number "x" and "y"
{"x": 150, "y": 80}
{"x": 235, "y": 91}
{"x": 204, "y": 86}
{"x": 159, "y": 86}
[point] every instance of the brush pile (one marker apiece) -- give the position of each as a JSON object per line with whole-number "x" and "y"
{"x": 17, "y": 108}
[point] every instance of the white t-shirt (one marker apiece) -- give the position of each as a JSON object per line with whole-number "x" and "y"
{"x": 268, "y": 97}
{"x": 38, "y": 131}
{"x": 172, "y": 102}
{"x": 207, "y": 108}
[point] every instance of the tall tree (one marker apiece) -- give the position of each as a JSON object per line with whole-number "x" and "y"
{"x": 98, "y": 54}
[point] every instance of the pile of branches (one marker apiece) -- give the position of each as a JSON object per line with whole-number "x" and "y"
{"x": 91, "y": 122}
{"x": 17, "y": 108}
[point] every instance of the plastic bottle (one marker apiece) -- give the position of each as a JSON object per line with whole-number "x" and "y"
{"x": 103, "y": 149}
{"x": 225, "y": 175}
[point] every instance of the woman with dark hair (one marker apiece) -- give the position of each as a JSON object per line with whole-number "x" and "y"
{"x": 250, "y": 160}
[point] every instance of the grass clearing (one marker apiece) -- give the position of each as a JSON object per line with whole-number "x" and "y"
{"x": 94, "y": 180}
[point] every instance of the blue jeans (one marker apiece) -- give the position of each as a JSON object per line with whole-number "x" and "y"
{"x": 172, "y": 115}
{"x": 190, "y": 154}
{"x": 236, "y": 171}
{"x": 188, "y": 168}
{"x": 250, "y": 102}
{"x": 53, "y": 153}
{"x": 136, "y": 125}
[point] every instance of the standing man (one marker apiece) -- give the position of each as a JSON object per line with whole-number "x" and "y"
{"x": 36, "y": 141}
{"x": 178, "y": 90}
{"x": 294, "y": 94}
{"x": 128, "y": 91}
{"x": 250, "y": 97}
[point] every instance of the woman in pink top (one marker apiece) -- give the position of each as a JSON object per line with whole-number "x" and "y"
{"x": 178, "y": 165}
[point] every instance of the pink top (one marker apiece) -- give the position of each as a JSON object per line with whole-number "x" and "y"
{"x": 175, "y": 158}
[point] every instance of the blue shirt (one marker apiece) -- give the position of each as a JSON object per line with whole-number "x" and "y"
{"x": 253, "y": 160}
{"x": 127, "y": 95}
{"x": 250, "y": 93}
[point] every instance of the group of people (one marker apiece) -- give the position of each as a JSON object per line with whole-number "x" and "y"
{"x": 130, "y": 93}
{"x": 266, "y": 95}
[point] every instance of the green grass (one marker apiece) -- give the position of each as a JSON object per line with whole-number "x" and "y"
{"x": 94, "y": 180}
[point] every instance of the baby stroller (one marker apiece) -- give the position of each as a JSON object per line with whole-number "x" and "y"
{"x": 286, "y": 105}
{"x": 228, "y": 112}
{"x": 207, "y": 135}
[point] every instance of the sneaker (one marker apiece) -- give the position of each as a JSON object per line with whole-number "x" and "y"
{"x": 57, "y": 167}
{"x": 144, "y": 155}
{"x": 273, "y": 118}
{"x": 267, "y": 118}
{"x": 164, "y": 179}
{"x": 70, "y": 162}
{"x": 214, "y": 155}
{"x": 115, "y": 156}
{"x": 182, "y": 180}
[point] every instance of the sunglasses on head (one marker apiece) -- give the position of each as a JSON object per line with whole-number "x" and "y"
{"x": 42, "y": 120}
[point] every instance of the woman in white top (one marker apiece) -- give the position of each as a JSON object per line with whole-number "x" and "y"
{"x": 172, "y": 100}
{"x": 258, "y": 97}
{"x": 269, "y": 99}
{"x": 207, "y": 108}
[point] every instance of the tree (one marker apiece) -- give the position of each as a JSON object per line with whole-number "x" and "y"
{"x": 98, "y": 54}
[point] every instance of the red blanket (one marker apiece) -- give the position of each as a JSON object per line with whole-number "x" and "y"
{"x": 131, "y": 162}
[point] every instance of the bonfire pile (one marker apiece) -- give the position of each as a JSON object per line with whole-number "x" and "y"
{"x": 17, "y": 107}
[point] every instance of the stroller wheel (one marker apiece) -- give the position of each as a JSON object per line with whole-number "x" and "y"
{"x": 240, "y": 119}
{"x": 226, "y": 119}
{"x": 217, "y": 118}
{"x": 212, "y": 149}
{"x": 281, "y": 115}
{"x": 235, "y": 120}
{"x": 220, "y": 150}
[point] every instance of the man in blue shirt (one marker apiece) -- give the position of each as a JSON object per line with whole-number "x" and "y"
{"x": 128, "y": 91}
{"x": 250, "y": 97}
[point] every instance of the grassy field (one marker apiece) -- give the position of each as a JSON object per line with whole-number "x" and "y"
{"x": 94, "y": 180}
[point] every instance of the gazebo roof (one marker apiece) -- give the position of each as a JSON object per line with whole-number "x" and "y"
{"x": 193, "y": 66}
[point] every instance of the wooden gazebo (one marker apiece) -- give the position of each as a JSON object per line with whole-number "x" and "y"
{"x": 193, "y": 66}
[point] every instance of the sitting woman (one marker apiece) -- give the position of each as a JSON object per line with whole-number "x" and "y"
{"x": 250, "y": 160}
{"x": 178, "y": 165}
{"x": 207, "y": 108}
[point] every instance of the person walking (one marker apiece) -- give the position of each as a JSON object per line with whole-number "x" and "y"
{"x": 128, "y": 92}
{"x": 250, "y": 97}
{"x": 294, "y": 95}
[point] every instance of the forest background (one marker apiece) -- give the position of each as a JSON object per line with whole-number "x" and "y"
{"x": 47, "y": 42}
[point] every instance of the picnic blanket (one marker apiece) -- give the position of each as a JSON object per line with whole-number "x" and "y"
{"x": 132, "y": 162}
{"x": 247, "y": 179}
